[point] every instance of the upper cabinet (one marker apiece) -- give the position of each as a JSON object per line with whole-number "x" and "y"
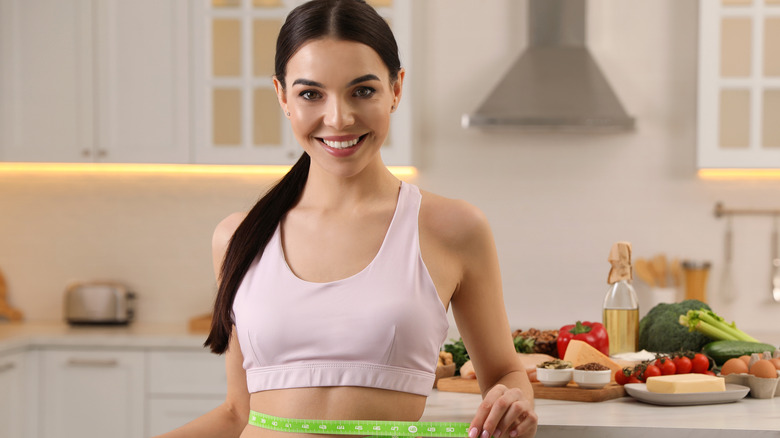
{"x": 156, "y": 81}
{"x": 237, "y": 119}
{"x": 739, "y": 84}
{"x": 94, "y": 81}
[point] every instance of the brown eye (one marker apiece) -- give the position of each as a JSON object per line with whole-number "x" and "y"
{"x": 310, "y": 95}
{"x": 364, "y": 92}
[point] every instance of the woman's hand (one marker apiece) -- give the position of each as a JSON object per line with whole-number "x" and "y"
{"x": 504, "y": 413}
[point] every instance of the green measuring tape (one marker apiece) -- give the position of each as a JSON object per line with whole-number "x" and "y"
{"x": 361, "y": 427}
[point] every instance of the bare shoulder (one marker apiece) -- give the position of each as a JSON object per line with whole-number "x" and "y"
{"x": 453, "y": 220}
{"x": 225, "y": 229}
{"x": 221, "y": 238}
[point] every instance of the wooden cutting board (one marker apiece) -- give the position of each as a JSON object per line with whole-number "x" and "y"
{"x": 571, "y": 392}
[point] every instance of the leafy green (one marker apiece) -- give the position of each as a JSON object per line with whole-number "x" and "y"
{"x": 459, "y": 353}
{"x": 660, "y": 330}
{"x": 524, "y": 345}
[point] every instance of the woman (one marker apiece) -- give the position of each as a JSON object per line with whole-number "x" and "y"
{"x": 343, "y": 314}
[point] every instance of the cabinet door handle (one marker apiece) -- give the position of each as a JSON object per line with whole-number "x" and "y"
{"x": 7, "y": 367}
{"x": 96, "y": 363}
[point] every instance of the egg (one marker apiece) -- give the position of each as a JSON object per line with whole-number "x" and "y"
{"x": 776, "y": 361}
{"x": 764, "y": 368}
{"x": 745, "y": 358}
{"x": 734, "y": 366}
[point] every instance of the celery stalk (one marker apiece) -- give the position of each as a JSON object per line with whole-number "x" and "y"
{"x": 714, "y": 326}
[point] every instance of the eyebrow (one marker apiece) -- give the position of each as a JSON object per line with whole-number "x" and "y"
{"x": 310, "y": 83}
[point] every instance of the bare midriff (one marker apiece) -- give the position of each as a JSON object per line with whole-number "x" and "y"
{"x": 333, "y": 403}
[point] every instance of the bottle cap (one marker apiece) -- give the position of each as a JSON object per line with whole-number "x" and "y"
{"x": 620, "y": 259}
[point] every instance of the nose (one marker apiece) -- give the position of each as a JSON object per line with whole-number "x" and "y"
{"x": 339, "y": 113}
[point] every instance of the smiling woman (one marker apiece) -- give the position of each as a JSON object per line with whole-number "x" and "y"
{"x": 334, "y": 287}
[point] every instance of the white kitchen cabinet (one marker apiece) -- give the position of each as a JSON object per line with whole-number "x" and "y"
{"x": 94, "y": 81}
{"x": 236, "y": 116}
{"x": 18, "y": 395}
{"x": 91, "y": 393}
{"x": 182, "y": 385}
{"x": 739, "y": 84}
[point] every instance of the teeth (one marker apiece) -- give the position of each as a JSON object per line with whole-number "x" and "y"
{"x": 341, "y": 144}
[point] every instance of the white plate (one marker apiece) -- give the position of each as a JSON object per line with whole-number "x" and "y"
{"x": 731, "y": 394}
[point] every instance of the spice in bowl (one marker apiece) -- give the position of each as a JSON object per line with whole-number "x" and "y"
{"x": 555, "y": 372}
{"x": 592, "y": 375}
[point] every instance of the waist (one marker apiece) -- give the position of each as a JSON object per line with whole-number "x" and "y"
{"x": 339, "y": 402}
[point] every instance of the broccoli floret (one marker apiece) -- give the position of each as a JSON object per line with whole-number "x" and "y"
{"x": 660, "y": 330}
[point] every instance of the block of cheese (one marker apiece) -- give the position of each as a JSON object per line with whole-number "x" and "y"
{"x": 685, "y": 383}
{"x": 580, "y": 353}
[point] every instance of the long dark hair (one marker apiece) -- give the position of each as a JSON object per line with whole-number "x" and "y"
{"x": 351, "y": 20}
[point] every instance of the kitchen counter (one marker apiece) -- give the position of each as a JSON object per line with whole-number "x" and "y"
{"x": 626, "y": 416}
{"x": 17, "y": 336}
{"x": 620, "y": 417}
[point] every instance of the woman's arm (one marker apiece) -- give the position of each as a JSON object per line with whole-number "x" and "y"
{"x": 507, "y": 409}
{"x": 231, "y": 417}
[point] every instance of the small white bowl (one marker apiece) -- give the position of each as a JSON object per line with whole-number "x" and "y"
{"x": 553, "y": 377}
{"x": 592, "y": 379}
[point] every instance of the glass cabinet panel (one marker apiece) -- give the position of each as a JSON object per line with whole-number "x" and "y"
{"x": 267, "y": 3}
{"x": 226, "y": 47}
{"x": 225, "y": 3}
{"x": 267, "y": 117}
{"x": 771, "y": 123}
{"x": 772, "y": 46}
{"x": 735, "y": 47}
{"x": 226, "y": 122}
{"x": 264, "y": 34}
{"x": 734, "y": 118}
{"x": 380, "y": 3}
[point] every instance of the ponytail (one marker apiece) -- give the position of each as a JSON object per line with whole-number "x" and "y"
{"x": 249, "y": 241}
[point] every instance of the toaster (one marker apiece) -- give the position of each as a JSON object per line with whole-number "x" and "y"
{"x": 99, "y": 303}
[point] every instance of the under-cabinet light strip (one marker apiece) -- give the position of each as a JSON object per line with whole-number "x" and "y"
{"x": 204, "y": 169}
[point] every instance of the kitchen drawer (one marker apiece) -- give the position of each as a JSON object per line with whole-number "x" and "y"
{"x": 165, "y": 414}
{"x": 186, "y": 373}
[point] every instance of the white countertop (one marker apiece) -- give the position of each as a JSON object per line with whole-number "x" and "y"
{"x": 622, "y": 417}
{"x": 747, "y": 417}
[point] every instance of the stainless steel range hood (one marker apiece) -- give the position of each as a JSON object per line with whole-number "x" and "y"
{"x": 555, "y": 84}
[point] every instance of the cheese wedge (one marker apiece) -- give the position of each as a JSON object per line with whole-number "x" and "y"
{"x": 580, "y": 353}
{"x": 684, "y": 383}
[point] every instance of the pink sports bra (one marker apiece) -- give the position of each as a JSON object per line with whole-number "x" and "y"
{"x": 380, "y": 328}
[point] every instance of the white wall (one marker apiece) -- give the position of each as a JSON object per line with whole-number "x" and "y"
{"x": 557, "y": 202}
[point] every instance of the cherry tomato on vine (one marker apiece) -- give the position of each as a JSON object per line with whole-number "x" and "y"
{"x": 710, "y": 373}
{"x": 634, "y": 379}
{"x": 666, "y": 365}
{"x": 621, "y": 378}
{"x": 683, "y": 364}
{"x": 651, "y": 371}
{"x": 700, "y": 363}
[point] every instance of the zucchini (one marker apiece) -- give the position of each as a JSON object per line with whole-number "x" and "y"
{"x": 721, "y": 351}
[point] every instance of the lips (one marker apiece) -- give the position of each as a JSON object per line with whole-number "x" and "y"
{"x": 342, "y": 146}
{"x": 341, "y": 142}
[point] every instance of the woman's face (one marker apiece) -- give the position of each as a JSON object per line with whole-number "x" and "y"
{"x": 339, "y": 99}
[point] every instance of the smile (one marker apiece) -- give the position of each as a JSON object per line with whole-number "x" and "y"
{"x": 343, "y": 144}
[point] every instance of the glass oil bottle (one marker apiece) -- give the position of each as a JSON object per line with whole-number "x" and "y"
{"x": 621, "y": 308}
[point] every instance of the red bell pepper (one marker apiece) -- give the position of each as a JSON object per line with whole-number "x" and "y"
{"x": 593, "y": 333}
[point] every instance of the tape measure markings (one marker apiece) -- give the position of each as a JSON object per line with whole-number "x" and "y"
{"x": 361, "y": 427}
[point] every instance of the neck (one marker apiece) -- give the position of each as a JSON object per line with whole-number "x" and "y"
{"x": 329, "y": 191}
